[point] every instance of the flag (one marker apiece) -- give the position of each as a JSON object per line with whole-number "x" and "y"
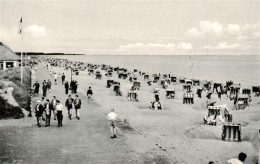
{"x": 21, "y": 26}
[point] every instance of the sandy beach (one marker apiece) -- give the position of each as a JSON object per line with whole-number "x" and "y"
{"x": 182, "y": 76}
{"x": 175, "y": 134}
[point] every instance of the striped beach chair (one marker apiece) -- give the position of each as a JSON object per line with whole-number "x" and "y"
{"x": 188, "y": 98}
{"x": 231, "y": 132}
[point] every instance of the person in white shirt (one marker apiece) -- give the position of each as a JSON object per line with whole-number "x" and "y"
{"x": 55, "y": 78}
{"x": 112, "y": 117}
{"x": 53, "y": 106}
{"x": 59, "y": 108}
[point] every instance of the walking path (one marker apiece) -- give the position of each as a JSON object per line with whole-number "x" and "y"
{"x": 79, "y": 141}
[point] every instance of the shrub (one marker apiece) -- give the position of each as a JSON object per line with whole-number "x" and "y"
{"x": 9, "y": 111}
{"x": 21, "y": 92}
{"x": 1, "y": 85}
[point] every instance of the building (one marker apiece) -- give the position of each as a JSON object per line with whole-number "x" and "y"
{"x": 8, "y": 58}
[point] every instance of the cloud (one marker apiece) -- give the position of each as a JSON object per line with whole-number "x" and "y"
{"x": 36, "y": 31}
{"x": 222, "y": 46}
{"x": 211, "y": 27}
{"x": 233, "y": 29}
{"x": 184, "y": 46}
{"x": 156, "y": 46}
{"x": 230, "y": 31}
{"x": 193, "y": 31}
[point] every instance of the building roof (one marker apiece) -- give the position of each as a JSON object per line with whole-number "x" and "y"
{"x": 7, "y": 54}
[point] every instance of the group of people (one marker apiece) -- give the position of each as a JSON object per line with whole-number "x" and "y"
{"x": 45, "y": 108}
{"x": 46, "y": 86}
{"x": 74, "y": 86}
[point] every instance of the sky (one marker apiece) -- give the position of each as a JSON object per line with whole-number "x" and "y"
{"x": 150, "y": 27}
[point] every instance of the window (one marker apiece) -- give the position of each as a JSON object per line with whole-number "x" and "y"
{"x": 9, "y": 64}
{"x": 1, "y": 66}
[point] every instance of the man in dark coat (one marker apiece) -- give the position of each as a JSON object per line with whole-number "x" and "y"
{"x": 47, "y": 112}
{"x": 66, "y": 87}
{"x": 72, "y": 86}
{"x": 68, "y": 104}
{"x": 49, "y": 84}
{"x": 77, "y": 106}
{"x": 63, "y": 78}
{"x": 44, "y": 89}
{"x": 36, "y": 87}
{"x": 75, "y": 86}
{"x": 38, "y": 112}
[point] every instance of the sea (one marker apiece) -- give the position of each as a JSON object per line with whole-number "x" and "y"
{"x": 244, "y": 69}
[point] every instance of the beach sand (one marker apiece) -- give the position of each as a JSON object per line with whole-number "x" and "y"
{"x": 175, "y": 134}
{"x": 178, "y": 129}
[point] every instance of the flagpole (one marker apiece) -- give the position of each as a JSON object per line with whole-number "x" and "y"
{"x": 21, "y": 60}
{"x": 21, "y": 53}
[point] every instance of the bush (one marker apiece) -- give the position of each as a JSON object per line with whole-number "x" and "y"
{"x": 1, "y": 85}
{"x": 21, "y": 92}
{"x": 9, "y": 111}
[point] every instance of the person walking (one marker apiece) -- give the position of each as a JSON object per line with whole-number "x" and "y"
{"x": 77, "y": 105}
{"x": 219, "y": 95}
{"x": 63, "y": 78}
{"x": 48, "y": 112}
{"x": 89, "y": 92}
{"x": 69, "y": 106}
{"x": 53, "y": 106}
{"x": 43, "y": 105}
{"x": 44, "y": 89}
{"x": 49, "y": 84}
{"x": 59, "y": 108}
{"x": 72, "y": 86}
{"x": 66, "y": 87}
{"x": 50, "y": 71}
{"x": 55, "y": 78}
{"x": 112, "y": 117}
{"x": 75, "y": 86}
{"x": 38, "y": 112}
{"x": 36, "y": 87}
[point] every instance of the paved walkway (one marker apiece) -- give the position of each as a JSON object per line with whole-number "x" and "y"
{"x": 79, "y": 141}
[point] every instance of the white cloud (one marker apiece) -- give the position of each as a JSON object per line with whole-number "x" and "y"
{"x": 222, "y": 46}
{"x": 184, "y": 46}
{"x": 211, "y": 27}
{"x": 193, "y": 31}
{"x": 36, "y": 31}
{"x": 156, "y": 46}
{"x": 230, "y": 31}
{"x": 153, "y": 46}
{"x": 233, "y": 29}
{"x": 206, "y": 28}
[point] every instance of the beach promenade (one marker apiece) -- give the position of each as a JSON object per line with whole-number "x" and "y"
{"x": 79, "y": 141}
